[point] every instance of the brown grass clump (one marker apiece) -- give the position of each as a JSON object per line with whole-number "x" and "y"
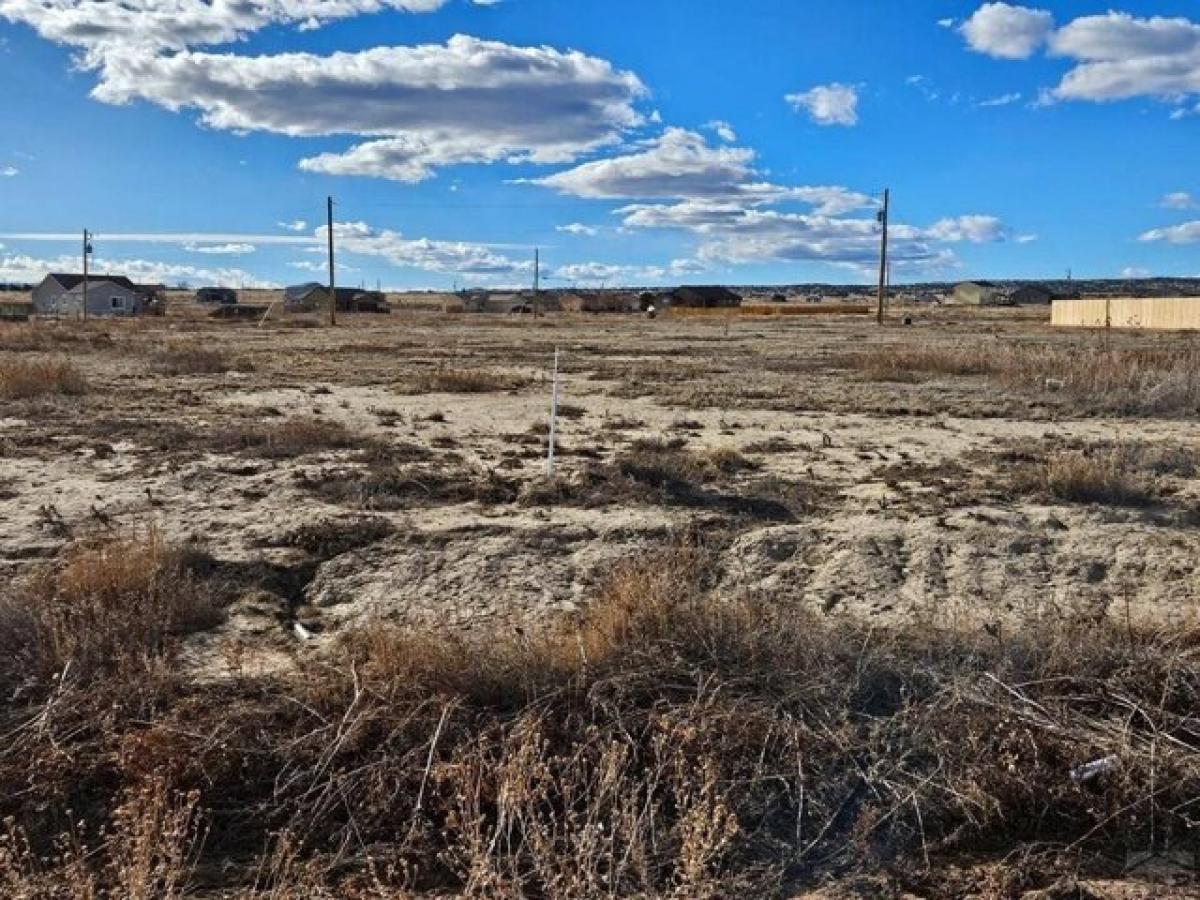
{"x": 290, "y": 438}
{"x": 107, "y": 608}
{"x": 196, "y": 359}
{"x": 463, "y": 381}
{"x": 658, "y": 463}
{"x": 1096, "y": 379}
{"x": 329, "y": 538}
{"x": 149, "y": 853}
{"x": 383, "y": 487}
{"x": 43, "y": 338}
{"x": 1109, "y": 474}
{"x": 26, "y": 379}
{"x": 1101, "y": 478}
{"x": 671, "y": 741}
{"x": 667, "y": 472}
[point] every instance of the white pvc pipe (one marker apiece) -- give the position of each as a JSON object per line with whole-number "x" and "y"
{"x": 553, "y": 419}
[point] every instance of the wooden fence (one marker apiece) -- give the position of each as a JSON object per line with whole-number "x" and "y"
{"x": 1165, "y": 313}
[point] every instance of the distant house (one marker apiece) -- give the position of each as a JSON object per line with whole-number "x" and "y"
{"x": 497, "y": 302}
{"x": 13, "y": 309}
{"x": 704, "y": 298}
{"x": 598, "y": 302}
{"x": 306, "y": 297}
{"x": 979, "y": 293}
{"x": 313, "y": 296}
{"x": 62, "y": 294}
{"x": 217, "y": 296}
{"x": 359, "y": 300}
{"x": 1031, "y": 295}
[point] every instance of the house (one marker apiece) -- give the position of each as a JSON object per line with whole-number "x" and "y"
{"x": 359, "y": 300}
{"x": 497, "y": 302}
{"x": 704, "y": 298}
{"x": 979, "y": 293}
{"x": 61, "y": 294}
{"x": 13, "y": 309}
{"x": 217, "y": 295}
{"x": 312, "y": 296}
{"x": 1031, "y": 295}
{"x": 598, "y": 302}
{"x": 307, "y": 297}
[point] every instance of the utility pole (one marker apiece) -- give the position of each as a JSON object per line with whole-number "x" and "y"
{"x": 87, "y": 251}
{"x": 883, "y": 253}
{"x": 332, "y": 280}
{"x": 537, "y": 281}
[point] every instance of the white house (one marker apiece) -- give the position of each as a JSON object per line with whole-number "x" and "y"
{"x": 107, "y": 295}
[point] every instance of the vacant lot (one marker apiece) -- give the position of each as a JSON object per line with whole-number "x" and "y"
{"x": 806, "y": 605}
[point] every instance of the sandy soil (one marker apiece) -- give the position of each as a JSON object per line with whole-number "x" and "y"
{"x": 912, "y": 513}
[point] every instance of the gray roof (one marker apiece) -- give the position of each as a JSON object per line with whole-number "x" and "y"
{"x": 72, "y": 281}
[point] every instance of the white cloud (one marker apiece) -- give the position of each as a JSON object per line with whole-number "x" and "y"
{"x": 969, "y": 229}
{"x": 1007, "y": 32}
{"x": 680, "y": 164}
{"x": 295, "y": 225}
{"x": 688, "y": 266}
{"x": 445, "y": 257}
{"x": 723, "y": 130}
{"x": 9, "y": 171}
{"x": 578, "y": 229}
{"x": 467, "y": 101}
{"x": 1025, "y": 238}
{"x": 221, "y": 249}
{"x": 1179, "y": 200}
{"x": 681, "y": 183}
{"x": 24, "y": 268}
{"x": 1135, "y": 272}
{"x": 420, "y": 107}
{"x": 1114, "y": 56}
{"x": 181, "y": 238}
{"x": 1002, "y": 100}
{"x": 830, "y": 104}
{"x": 138, "y": 27}
{"x": 608, "y": 274}
{"x": 1185, "y": 233}
{"x": 733, "y": 234}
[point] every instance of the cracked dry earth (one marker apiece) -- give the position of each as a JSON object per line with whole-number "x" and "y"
{"x": 415, "y": 491}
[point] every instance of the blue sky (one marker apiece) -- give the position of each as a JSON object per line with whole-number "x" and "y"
{"x": 634, "y": 141}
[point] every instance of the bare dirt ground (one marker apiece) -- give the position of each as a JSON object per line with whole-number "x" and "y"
{"x": 860, "y": 496}
{"x": 393, "y": 469}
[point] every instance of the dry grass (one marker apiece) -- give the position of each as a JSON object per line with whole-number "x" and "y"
{"x": 1129, "y": 381}
{"x": 288, "y": 439}
{"x": 1101, "y": 478}
{"x": 329, "y": 538}
{"x": 463, "y": 381}
{"x": 107, "y": 608}
{"x": 668, "y": 473}
{"x": 1111, "y": 474}
{"x": 44, "y": 337}
{"x": 671, "y": 742}
{"x": 27, "y": 379}
{"x": 197, "y": 359}
{"x": 382, "y": 486}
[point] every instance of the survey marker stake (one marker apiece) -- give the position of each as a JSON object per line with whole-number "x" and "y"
{"x": 553, "y": 419}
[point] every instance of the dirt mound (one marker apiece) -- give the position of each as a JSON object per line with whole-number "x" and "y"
{"x": 472, "y": 577}
{"x": 974, "y": 563}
